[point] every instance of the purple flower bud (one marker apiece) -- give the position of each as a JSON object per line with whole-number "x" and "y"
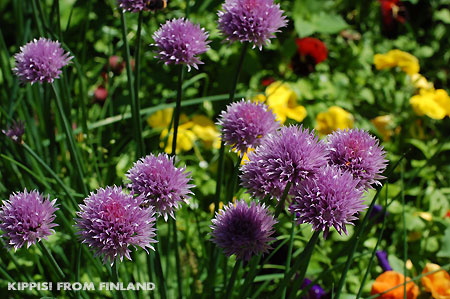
{"x": 383, "y": 260}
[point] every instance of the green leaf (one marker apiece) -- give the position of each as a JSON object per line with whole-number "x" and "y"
{"x": 328, "y": 23}
{"x": 303, "y": 27}
{"x": 445, "y": 249}
{"x": 443, "y": 15}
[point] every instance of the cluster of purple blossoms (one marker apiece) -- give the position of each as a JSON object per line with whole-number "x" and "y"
{"x": 162, "y": 185}
{"x": 132, "y": 5}
{"x": 253, "y": 21}
{"x": 329, "y": 199}
{"x": 245, "y": 123}
{"x": 179, "y": 42}
{"x": 111, "y": 220}
{"x": 40, "y": 61}
{"x": 292, "y": 155}
{"x": 27, "y": 217}
{"x": 243, "y": 230}
{"x": 15, "y": 131}
{"x": 359, "y": 153}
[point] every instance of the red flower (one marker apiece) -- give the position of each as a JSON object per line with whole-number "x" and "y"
{"x": 100, "y": 94}
{"x": 310, "y": 46}
{"x": 392, "y": 10}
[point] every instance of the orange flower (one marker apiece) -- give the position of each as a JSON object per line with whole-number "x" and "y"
{"x": 438, "y": 283}
{"x": 390, "y": 279}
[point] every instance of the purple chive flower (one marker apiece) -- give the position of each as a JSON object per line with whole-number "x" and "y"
{"x": 383, "y": 260}
{"x": 293, "y": 154}
{"x": 358, "y": 152}
{"x": 253, "y": 21}
{"x": 329, "y": 199}
{"x": 40, "y": 61}
{"x": 15, "y": 131}
{"x": 315, "y": 292}
{"x": 162, "y": 185}
{"x": 243, "y": 230}
{"x": 111, "y": 220}
{"x": 179, "y": 41}
{"x": 27, "y": 217}
{"x": 245, "y": 123}
{"x": 132, "y": 5}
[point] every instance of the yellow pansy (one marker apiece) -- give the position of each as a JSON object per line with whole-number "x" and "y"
{"x": 161, "y": 119}
{"x": 333, "y": 119}
{"x": 205, "y": 129}
{"x": 432, "y": 103}
{"x": 185, "y": 138}
{"x": 405, "y": 61}
{"x": 420, "y": 82}
{"x": 438, "y": 283}
{"x": 383, "y": 123}
{"x": 283, "y": 102}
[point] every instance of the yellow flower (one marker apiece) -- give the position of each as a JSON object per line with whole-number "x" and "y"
{"x": 245, "y": 157}
{"x": 185, "y": 138}
{"x": 160, "y": 119}
{"x": 420, "y": 82}
{"x": 432, "y": 103}
{"x": 382, "y": 123}
{"x": 335, "y": 118}
{"x": 405, "y": 61}
{"x": 438, "y": 283}
{"x": 205, "y": 129}
{"x": 283, "y": 102}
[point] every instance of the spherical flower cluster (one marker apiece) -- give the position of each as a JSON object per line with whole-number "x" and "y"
{"x": 179, "y": 41}
{"x": 27, "y": 217}
{"x": 141, "y": 5}
{"x": 132, "y": 5}
{"x": 329, "y": 199}
{"x": 161, "y": 184}
{"x": 111, "y": 220}
{"x": 243, "y": 230}
{"x": 245, "y": 123}
{"x": 253, "y": 21}
{"x": 359, "y": 153}
{"x": 15, "y": 131}
{"x": 292, "y": 155}
{"x": 40, "y": 61}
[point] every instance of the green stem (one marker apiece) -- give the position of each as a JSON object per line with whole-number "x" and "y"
{"x": 250, "y": 276}
{"x": 307, "y": 256}
{"x": 301, "y": 263}
{"x": 219, "y": 176}
{"x": 51, "y": 172}
{"x": 230, "y": 285}
{"x": 177, "y": 259}
{"x": 115, "y": 278}
{"x": 51, "y": 259}
{"x": 77, "y": 267}
{"x": 358, "y": 234}
{"x": 134, "y": 102}
{"x": 380, "y": 236}
{"x": 137, "y": 72}
{"x": 234, "y": 178}
{"x": 288, "y": 259}
{"x": 160, "y": 275}
{"x": 280, "y": 205}
{"x": 176, "y": 119}
{"x": 405, "y": 244}
{"x": 70, "y": 139}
